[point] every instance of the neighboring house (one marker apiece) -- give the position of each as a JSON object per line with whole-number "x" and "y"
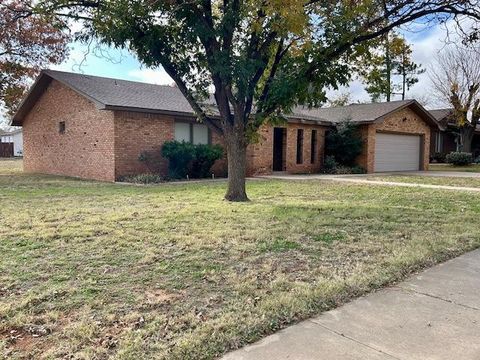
{"x": 14, "y": 137}
{"x": 444, "y": 139}
{"x": 95, "y": 127}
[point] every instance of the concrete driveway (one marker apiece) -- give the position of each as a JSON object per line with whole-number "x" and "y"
{"x": 434, "y": 315}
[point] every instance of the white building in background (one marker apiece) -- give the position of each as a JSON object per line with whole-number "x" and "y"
{"x": 15, "y": 137}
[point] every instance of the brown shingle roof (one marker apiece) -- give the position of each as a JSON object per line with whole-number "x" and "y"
{"x": 356, "y": 112}
{"x": 123, "y": 93}
{"x": 441, "y": 114}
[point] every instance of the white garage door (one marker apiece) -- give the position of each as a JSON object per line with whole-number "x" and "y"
{"x": 397, "y": 152}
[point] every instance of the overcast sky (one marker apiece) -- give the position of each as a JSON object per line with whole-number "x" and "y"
{"x": 426, "y": 44}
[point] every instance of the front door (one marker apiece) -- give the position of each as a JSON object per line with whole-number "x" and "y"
{"x": 279, "y": 149}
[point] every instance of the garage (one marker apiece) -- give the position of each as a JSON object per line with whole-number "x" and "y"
{"x": 397, "y": 152}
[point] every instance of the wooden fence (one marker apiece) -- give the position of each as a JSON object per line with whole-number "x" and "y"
{"x": 6, "y": 149}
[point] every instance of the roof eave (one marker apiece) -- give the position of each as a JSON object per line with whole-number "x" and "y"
{"x": 36, "y": 90}
{"x": 153, "y": 111}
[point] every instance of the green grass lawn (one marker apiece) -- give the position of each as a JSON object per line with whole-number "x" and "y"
{"x": 446, "y": 167}
{"x": 91, "y": 270}
{"x": 448, "y": 181}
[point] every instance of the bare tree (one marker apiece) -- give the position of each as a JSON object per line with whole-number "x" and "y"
{"x": 456, "y": 80}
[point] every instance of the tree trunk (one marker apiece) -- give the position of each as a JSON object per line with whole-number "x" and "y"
{"x": 466, "y": 137}
{"x": 404, "y": 77}
{"x": 388, "y": 68}
{"x": 237, "y": 167}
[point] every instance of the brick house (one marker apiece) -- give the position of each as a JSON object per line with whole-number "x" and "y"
{"x": 444, "y": 139}
{"x": 94, "y": 127}
{"x": 15, "y": 138}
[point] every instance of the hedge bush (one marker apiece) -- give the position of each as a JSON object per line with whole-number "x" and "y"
{"x": 179, "y": 155}
{"x": 330, "y": 166}
{"x": 459, "y": 158}
{"x": 439, "y": 157}
{"x": 188, "y": 159}
{"x": 204, "y": 158}
{"x": 344, "y": 143}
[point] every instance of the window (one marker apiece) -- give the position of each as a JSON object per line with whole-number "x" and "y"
{"x": 61, "y": 127}
{"x": 313, "y": 147}
{"x": 438, "y": 142}
{"x": 192, "y": 133}
{"x": 299, "y": 146}
{"x": 182, "y": 131}
{"x": 200, "y": 134}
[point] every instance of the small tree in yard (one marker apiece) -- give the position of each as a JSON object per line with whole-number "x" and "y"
{"x": 260, "y": 57}
{"x": 456, "y": 81}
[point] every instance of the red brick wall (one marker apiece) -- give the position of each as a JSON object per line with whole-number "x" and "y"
{"x": 260, "y": 154}
{"x": 136, "y": 133}
{"x": 85, "y": 149}
{"x": 306, "y": 166}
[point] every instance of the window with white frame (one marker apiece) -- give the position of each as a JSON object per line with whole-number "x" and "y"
{"x": 192, "y": 133}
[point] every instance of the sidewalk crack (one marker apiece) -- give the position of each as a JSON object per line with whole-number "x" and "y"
{"x": 355, "y": 340}
{"x": 437, "y": 297}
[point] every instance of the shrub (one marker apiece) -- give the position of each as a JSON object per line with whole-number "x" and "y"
{"x": 459, "y": 158}
{"x": 329, "y": 165}
{"x": 439, "y": 157}
{"x": 350, "y": 170}
{"x": 344, "y": 143}
{"x": 204, "y": 158}
{"x": 179, "y": 155}
{"x": 188, "y": 159}
{"x": 357, "y": 169}
{"x": 143, "y": 179}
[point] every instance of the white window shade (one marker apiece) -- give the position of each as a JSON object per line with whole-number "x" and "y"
{"x": 200, "y": 134}
{"x": 182, "y": 131}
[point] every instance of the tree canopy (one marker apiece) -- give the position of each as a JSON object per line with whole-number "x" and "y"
{"x": 28, "y": 43}
{"x": 261, "y": 58}
{"x": 388, "y": 69}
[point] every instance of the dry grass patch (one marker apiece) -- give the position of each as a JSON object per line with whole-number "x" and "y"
{"x": 173, "y": 271}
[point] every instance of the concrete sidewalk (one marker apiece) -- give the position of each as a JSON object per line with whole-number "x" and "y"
{"x": 363, "y": 180}
{"x": 434, "y": 315}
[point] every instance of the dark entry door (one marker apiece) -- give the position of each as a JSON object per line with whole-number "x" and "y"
{"x": 6, "y": 149}
{"x": 278, "y": 148}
